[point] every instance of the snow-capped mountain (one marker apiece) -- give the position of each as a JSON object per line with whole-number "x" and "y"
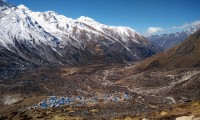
{"x": 167, "y": 41}
{"x": 47, "y": 37}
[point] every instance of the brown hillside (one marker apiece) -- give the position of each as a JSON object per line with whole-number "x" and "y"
{"x": 186, "y": 54}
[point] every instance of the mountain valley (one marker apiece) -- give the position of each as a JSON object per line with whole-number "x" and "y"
{"x": 58, "y": 68}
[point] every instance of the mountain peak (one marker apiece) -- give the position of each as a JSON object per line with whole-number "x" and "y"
{"x": 22, "y": 7}
{"x": 84, "y": 18}
{"x": 51, "y": 12}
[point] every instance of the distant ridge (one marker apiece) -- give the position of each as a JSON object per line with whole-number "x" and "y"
{"x": 185, "y": 55}
{"x": 167, "y": 41}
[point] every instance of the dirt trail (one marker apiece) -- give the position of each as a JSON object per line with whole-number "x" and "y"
{"x": 156, "y": 91}
{"x": 145, "y": 90}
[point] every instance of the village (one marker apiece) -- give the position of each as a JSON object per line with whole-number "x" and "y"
{"x": 57, "y": 101}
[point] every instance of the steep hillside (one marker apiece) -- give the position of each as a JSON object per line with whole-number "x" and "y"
{"x": 187, "y": 54}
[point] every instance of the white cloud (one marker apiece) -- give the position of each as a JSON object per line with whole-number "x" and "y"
{"x": 153, "y": 30}
{"x": 186, "y": 25}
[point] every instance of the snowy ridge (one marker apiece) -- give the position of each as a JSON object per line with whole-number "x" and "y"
{"x": 167, "y": 41}
{"x": 50, "y": 37}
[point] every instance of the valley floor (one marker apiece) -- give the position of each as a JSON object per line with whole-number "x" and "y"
{"x": 155, "y": 94}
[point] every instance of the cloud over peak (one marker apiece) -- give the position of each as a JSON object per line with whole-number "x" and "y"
{"x": 153, "y": 30}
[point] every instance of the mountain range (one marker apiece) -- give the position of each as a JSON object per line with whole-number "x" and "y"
{"x": 167, "y": 41}
{"x": 49, "y": 38}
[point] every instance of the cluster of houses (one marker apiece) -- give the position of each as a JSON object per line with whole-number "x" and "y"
{"x": 55, "y": 101}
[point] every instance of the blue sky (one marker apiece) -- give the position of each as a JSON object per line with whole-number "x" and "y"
{"x": 156, "y": 16}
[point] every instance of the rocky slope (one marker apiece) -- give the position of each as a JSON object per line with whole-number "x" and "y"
{"x": 173, "y": 73}
{"x": 167, "y": 41}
